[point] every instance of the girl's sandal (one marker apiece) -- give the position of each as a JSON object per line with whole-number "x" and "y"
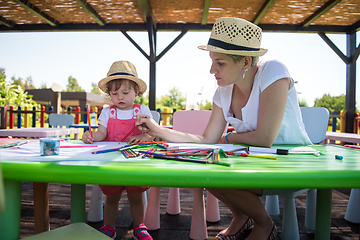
{"x": 273, "y": 233}
{"x": 248, "y": 224}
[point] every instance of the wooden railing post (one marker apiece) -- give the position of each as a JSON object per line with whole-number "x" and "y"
{"x": 19, "y": 122}
{"x": 77, "y": 115}
{"x": 26, "y": 117}
{"x": 11, "y": 118}
{"x": 3, "y": 113}
{"x": 34, "y": 117}
{"x": 42, "y": 117}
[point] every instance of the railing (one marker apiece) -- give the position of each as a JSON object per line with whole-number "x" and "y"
{"x": 19, "y": 118}
{"x": 28, "y": 118}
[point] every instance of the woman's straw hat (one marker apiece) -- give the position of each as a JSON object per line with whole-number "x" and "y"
{"x": 235, "y": 36}
{"x": 122, "y": 70}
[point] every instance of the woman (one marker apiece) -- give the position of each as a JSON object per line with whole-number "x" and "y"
{"x": 259, "y": 100}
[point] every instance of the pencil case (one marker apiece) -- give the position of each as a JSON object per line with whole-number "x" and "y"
{"x": 49, "y": 146}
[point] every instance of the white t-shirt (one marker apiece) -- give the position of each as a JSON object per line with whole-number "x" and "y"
{"x": 292, "y": 129}
{"x": 121, "y": 114}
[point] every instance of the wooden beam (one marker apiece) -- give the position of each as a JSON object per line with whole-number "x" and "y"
{"x": 135, "y": 44}
{"x": 334, "y": 47}
{"x": 34, "y": 10}
{"x": 147, "y": 11}
{"x": 6, "y": 22}
{"x": 87, "y": 8}
{"x": 166, "y": 27}
{"x": 264, "y": 9}
{"x": 321, "y": 11}
{"x": 355, "y": 27}
{"x": 355, "y": 56}
{"x": 205, "y": 12}
{"x": 183, "y": 32}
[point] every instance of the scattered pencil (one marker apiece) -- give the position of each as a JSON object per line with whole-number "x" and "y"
{"x": 88, "y": 119}
{"x": 78, "y": 146}
{"x": 127, "y": 135}
{"x": 257, "y": 156}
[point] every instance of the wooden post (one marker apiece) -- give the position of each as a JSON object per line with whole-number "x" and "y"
{"x": 77, "y": 115}
{"x": 3, "y": 114}
{"x": 34, "y": 117}
{"x": 26, "y": 117}
{"x": 42, "y": 117}
{"x": 19, "y": 123}
{"x": 11, "y": 118}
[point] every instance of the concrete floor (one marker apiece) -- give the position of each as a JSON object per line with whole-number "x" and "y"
{"x": 177, "y": 227}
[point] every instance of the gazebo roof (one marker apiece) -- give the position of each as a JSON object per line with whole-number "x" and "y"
{"x": 271, "y": 15}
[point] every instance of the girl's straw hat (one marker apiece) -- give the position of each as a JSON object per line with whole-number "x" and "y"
{"x": 235, "y": 36}
{"x": 122, "y": 70}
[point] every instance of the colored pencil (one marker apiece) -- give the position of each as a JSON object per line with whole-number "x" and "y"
{"x": 88, "y": 119}
{"x": 127, "y": 135}
{"x": 182, "y": 159}
{"x": 78, "y": 146}
{"x": 257, "y": 156}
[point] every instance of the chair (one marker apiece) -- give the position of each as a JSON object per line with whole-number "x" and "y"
{"x": 191, "y": 122}
{"x": 316, "y": 121}
{"x": 95, "y": 213}
{"x": 156, "y": 116}
{"x": 61, "y": 120}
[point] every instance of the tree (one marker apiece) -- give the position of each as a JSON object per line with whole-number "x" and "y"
{"x": 336, "y": 103}
{"x": 43, "y": 85}
{"x": 73, "y": 85}
{"x": 207, "y": 106}
{"x": 173, "y": 100}
{"x": 13, "y": 95}
{"x": 95, "y": 89}
{"x": 302, "y": 103}
{"x": 143, "y": 100}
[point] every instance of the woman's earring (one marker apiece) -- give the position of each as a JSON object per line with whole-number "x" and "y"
{"x": 244, "y": 73}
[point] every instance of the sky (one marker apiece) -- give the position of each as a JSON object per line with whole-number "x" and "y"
{"x": 49, "y": 57}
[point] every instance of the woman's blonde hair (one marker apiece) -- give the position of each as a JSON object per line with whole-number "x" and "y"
{"x": 237, "y": 58}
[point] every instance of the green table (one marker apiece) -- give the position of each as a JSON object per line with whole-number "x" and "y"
{"x": 288, "y": 171}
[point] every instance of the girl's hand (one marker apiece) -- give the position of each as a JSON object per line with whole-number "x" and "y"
{"x": 87, "y": 138}
{"x": 140, "y": 138}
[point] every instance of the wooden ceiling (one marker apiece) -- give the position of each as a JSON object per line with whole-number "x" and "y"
{"x": 334, "y": 16}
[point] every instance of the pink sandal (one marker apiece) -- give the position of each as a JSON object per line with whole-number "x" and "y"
{"x": 248, "y": 224}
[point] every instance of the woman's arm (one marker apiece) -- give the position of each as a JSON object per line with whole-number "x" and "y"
{"x": 212, "y": 133}
{"x": 271, "y": 112}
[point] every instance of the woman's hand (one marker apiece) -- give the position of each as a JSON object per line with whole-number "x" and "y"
{"x": 147, "y": 125}
{"x": 87, "y": 138}
{"x": 222, "y": 139}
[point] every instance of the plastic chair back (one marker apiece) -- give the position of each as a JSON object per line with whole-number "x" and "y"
{"x": 191, "y": 121}
{"x": 2, "y": 192}
{"x": 316, "y": 121}
{"x": 156, "y": 116}
{"x": 61, "y": 120}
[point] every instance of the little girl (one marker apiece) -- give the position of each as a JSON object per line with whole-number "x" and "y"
{"x": 122, "y": 85}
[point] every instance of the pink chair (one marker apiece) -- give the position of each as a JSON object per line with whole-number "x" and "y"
{"x": 191, "y": 122}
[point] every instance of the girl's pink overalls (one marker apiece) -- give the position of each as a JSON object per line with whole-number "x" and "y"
{"x": 116, "y": 130}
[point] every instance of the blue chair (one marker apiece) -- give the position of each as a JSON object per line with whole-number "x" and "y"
{"x": 316, "y": 122}
{"x": 61, "y": 120}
